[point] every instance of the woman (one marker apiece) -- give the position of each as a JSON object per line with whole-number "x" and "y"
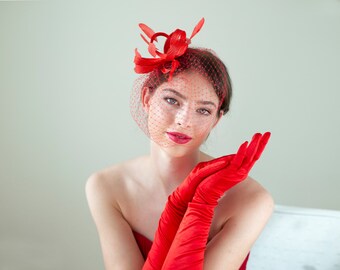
{"x": 177, "y": 207}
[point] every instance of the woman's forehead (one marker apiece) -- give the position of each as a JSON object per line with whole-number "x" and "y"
{"x": 190, "y": 83}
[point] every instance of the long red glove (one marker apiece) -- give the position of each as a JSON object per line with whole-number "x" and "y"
{"x": 175, "y": 209}
{"x": 188, "y": 247}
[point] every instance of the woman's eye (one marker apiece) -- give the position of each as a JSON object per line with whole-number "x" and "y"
{"x": 204, "y": 111}
{"x": 171, "y": 101}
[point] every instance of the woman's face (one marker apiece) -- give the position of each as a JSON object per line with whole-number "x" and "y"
{"x": 182, "y": 112}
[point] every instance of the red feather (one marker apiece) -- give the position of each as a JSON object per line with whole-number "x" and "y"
{"x": 197, "y": 28}
{"x": 147, "y": 30}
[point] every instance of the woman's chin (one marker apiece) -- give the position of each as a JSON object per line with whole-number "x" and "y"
{"x": 178, "y": 150}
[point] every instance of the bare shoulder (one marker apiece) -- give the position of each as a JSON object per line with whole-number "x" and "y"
{"x": 114, "y": 181}
{"x": 246, "y": 202}
{"x": 252, "y": 188}
{"x": 105, "y": 183}
{"x": 256, "y": 198}
{"x": 249, "y": 195}
{"x": 104, "y": 190}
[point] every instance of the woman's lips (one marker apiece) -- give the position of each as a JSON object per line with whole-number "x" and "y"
{"x": 179, "y": 138}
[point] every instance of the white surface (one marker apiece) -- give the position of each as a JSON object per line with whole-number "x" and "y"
{"x": 298, "y": 238}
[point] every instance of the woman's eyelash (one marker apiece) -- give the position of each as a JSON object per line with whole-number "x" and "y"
{"x": 204, "y": 111}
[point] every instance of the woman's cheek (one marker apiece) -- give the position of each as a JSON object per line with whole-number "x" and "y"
{"x": 159, "y": 119}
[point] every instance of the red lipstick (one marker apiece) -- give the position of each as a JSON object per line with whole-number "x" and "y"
{"x": 178, "y": 138}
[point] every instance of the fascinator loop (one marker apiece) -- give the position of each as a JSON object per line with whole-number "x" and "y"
{"x": 176, "y": 45}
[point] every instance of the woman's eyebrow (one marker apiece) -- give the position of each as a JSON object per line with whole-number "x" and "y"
{"x": 203, "y": 102}
{"x": 175, "y": 92}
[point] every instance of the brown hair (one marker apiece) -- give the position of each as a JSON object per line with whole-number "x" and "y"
{"x": 205, "y": 62}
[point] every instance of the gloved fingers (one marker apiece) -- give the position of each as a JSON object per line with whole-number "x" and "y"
{"x": 187, "y": 189}
{"x": 261, "y": 146}
{"x": 240, "y": 155}
{"x": 252, "y": 149}
{"x": 204, "y": 169}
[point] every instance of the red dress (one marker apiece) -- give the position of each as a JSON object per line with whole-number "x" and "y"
{"x": 145, "y": 246}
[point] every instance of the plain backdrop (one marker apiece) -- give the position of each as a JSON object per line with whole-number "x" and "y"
{"x": 66, "y": 70}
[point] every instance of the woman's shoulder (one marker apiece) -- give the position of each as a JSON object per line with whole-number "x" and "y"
{"x": 250, "y": 194}
{"x": 115, "y": 179}
{"x": 257, "y": 192}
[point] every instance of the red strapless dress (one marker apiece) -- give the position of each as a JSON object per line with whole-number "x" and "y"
{"x": 145, "y": 246}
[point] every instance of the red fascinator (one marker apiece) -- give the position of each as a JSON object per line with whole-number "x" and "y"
{"x": 175, "y": 46}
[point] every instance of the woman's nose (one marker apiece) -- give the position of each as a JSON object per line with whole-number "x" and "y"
{"x": 184, "y": 117}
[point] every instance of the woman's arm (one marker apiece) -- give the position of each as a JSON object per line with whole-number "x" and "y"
{"x": 119, "y": 247}
{"x": 245, "y": 210}
{"x": 175, "y": 209}
{"x": 188, "y": 249}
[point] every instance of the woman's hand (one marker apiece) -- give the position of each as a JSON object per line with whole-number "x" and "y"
{"x": 235, "y": 171}
{"x": 185, "y": 192}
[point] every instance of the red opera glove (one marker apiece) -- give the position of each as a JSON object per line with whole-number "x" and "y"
{"x": 188, "y": 247}
{"x": 210, "y": 191}
{"x": 175, "y": 209}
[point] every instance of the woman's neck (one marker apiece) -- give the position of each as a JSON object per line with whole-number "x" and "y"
{"x": 170, "y": 169}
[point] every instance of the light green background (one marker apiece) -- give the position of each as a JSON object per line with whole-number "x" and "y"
{"x": 66, "y": 70}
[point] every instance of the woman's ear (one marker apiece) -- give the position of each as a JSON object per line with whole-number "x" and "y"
{"x": 146, "y": 98}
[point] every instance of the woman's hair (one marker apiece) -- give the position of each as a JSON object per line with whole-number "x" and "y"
{"x": 206, "y": 63}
